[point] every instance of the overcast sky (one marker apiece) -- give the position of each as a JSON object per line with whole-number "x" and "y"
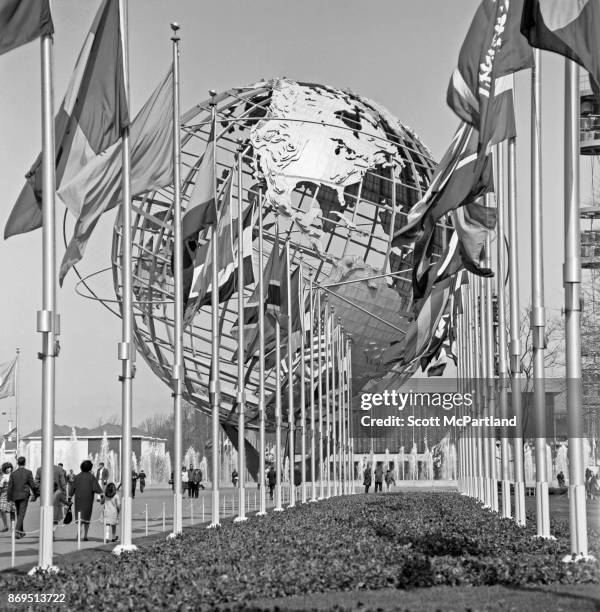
{"x": 399, "y": 53}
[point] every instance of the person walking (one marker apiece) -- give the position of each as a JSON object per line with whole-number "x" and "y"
{"x": 191, "y": 483}
{"x": 134, "y": 479}
{"x": 367, "y": 478}
{"x": 389, "y": 479}
{"x": 83, "y": 488}
{"x": 59, "y": 487}
{"x": 378, "y": 478}
{"x": 142, "y": 479}
{"x": 271, "y": 481}
{"x": 70, "y": 477}
{"x": 234, "y": 478}
{"x": 196, "y": 478}
{"x": 20, "y": 487}
{"x": 7, "y": 508}
{"x": 112, "y": 508}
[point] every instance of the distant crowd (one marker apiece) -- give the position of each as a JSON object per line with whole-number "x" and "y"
{"x": 73, "y": 495}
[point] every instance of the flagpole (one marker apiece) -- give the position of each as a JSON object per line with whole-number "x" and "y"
{"x": 17, "y": 399}
{"x": 261, "y": 362}
{"x": 302, "y": 384}
{"x": 341, "y": 470}
{"x": 48, "y": 322}
{"x": 178, "y": 365}
{"x": 351, "y": 423}
{"x": 278, "y": 417}
{"x": 321, "y": 332}
{"x": 313, "y": 450}
{"x": 327, "y": 421}
{"x": 471, "y": 370}
{"x": 477, "y": 374}
{"x": 538, "y": 312}
{"x": 334, "y": 442}
{"x": 502, "y": 349}
{"x": 291, "y": 428}
{"x": 572, "y": 284}
{"x": 515, "y": 341}
{"x": 214, "y": 383}
{"x": 241, "y": 397}
{"x": 484, "y": 374}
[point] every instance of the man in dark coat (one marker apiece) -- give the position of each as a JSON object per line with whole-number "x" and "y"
{"x": 378, "y": 478}
{"x": 20, "y": 486}
{"x": 102, "y": 475}
{"x": 271, "y": 480}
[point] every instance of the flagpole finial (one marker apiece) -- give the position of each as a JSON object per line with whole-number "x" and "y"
{"x": 175, "y": 27}
{"x": 212, "y": 93}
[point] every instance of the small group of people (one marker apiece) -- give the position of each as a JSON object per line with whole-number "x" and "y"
{"x": 379, "y": 478}
{"x": 191, "y": 481}
{"x": 592, "y": 486}
{"x": 18, "y": 487}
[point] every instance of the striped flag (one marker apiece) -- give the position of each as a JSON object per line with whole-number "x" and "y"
{"x": 228, "y": 243}
{"x": 22, "y": 21}
{"x": 91, "y": 117}
{"x": 8, "y": 373}
{"x": 567, "y": 27}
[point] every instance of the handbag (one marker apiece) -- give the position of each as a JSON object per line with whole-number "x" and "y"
{"x": 68, "y": 516}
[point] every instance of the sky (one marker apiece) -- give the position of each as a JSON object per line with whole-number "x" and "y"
{"x": 399, "y": 53}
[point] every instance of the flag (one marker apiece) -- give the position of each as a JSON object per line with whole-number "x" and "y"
{"x": 91, "y": 117}
{"x": 201, "y": 210}
{"x": 472, "y": 223}
{"x": 480, "y": 89}
{"x": 97, "y": 187}
{"x": 295, "y": 310}
{"x": 436, "y": 342}
{"x": 422, "y": 329}
{"x": 22, "y": 21}
{"x": 569, "y": 28}
{"x": 273, "y": 301}
{"x": 437, "y": 368}
{"x": 8, "y": 373}
{"x": 456, "y": 182}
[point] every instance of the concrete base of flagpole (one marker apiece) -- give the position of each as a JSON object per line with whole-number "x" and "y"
{"x": 573, "y": 558}
{"x": 240, "y": 519}
{"x": 38, "y": 569}
{"x": 277, "y": 509}
{"x": 261, "y": 514}
{"x": 313, "y": 501}
{"x": 213, "y": 526}
{"x": 173, "y": 535}
{"x": 122, "y": 548}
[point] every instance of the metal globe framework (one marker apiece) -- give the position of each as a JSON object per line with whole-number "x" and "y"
{"x": 336, "y": 172}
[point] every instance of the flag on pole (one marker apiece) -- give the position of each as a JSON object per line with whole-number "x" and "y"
{"x": 422, "y": 329}
{"x": 201, "y": 210}
{"x": 8, "y": 372}
{"x": 439, "y": 365}
{"x": 569, "y": 28}
{"x": 97, "y": 187}
{"x": 480, "y": 89}
{"x": 22, "y": 21}
{"x": 472, "y": 223}
{"x": 273, "y": 301}
{"x": 91, "y": 118}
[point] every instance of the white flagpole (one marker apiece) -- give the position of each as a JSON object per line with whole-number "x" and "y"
{"x": 302, "y": 385}
{"x": 48, "y": 322}
{"x": 327, "y": 421}
{"x": 342, "y": 403}
{"x": 572, "y": 284}
{"x": 17, "y": 399}
{"x": 350, "y": 420}
{"x": 261, "y": 362}
{"x": 291, "y": 427}
{"x": 278, "y": 418}
{"x": 538, "y": 313}
{"x": 502, "y": 348}
{"x": 515, "y": 341}
{"x": 341, "y": 454}
{"x": 313, "y": 448}
{"x": 178, "y": 367}
{"x": 321, "y": 332}
{"x": 214, "y": 383}
{"x": 241, "y": 397}
{"x": 333, "y": 404}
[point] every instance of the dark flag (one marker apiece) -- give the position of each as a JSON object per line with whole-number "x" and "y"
{"x": 273, "y": 301}
{"x": 480, "y": 89}
{"x": 91, "y": 117}
{"x": 472, "y": 223}
{"x": 22, "y": 21}
{"x": 252, "y": 455}
{"x": 568, "y": 27}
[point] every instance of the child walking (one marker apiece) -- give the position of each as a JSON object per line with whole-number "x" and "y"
{"x": 112, "y": 508}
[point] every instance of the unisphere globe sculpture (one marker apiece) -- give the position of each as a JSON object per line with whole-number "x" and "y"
{"x": 335, "y": 171}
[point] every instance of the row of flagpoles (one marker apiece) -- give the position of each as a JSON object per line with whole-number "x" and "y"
{"x": 483, "y": 100}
